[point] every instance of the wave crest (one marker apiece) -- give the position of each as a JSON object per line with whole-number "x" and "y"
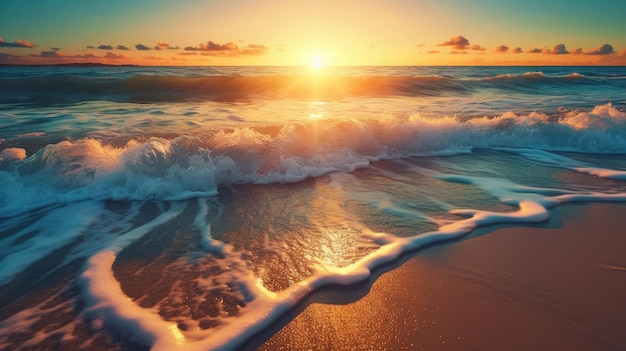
{"x": 187, "y": 166}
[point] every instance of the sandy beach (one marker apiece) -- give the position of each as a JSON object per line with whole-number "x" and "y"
{"x": 555, "y": 286}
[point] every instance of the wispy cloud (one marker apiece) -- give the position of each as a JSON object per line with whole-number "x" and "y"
{"x": 17, "y": 44}
{"x": 122, "y": 47}
{"x": 55, "y": 53}
{"x": 229, "y": 49}
{"x": 154, "y": 58}
{"x": 165, "y": 46}
{"x": 578, "y": 51}
{"x": 4, "y": 54}
{"x": 115, "y": 56}
{"x": 141, "y": 47}
{"x": 213, "y": 46}
{"x": 254, "y": 50}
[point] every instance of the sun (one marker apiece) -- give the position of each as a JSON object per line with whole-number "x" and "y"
{"x": 317, "y": 61}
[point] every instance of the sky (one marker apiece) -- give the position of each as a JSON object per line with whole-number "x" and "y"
{"x": 321, "y": 32}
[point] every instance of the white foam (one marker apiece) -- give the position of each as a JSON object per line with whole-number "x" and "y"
{"x": 56, "y": 229}
{"x": 106, "y": 302}
{"x": 195, "y": 166}
{"x": 603, "y": 172}
{"x": 106, "y": 298}
{"x": 559, "y": 161}
{"x": 204, "y": 227}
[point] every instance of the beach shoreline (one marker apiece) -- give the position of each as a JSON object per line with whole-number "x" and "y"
{"x": 554, "y": 285}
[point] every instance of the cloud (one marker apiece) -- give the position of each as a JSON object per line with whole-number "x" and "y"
{"x": 4, "y": 54}
{"x": 50, "y": 54}
{"x": 165, "y": 46}
{"x": 477, "y": 47}
{"x": 17, "y": 44}
{"x": 115, "y": 56}
{"x": 502, "y": 48}
{"x": 213, "y": 46}
{"x": 87, "y": 56}
{"x": 55, "y": 53}
{"x": 559, "y": 49}
{"x": 90, "y": 47}
{"x": 534, "y": 51}
{"x": 230, "y": 49}
{"x": 457, "y": 43}
{"x": 254, "y": 50}
{"x": 154, "y": 58}
{"x": 433, "y": 52}
{"x": 105, "y": 47}
{"x": 577, "y": 51}
{"x": 141, "y": 47}
{"x": 518, "y": 50}
{"x": 458, "y": 52}
{"x": 606, "y": 49}
{"x": 122, "y": 47}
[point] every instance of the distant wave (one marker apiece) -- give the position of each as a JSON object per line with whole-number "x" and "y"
{"x": 154, "y": 88}
{"x": 534, "y": 76}
{"x": 157, "y": 88}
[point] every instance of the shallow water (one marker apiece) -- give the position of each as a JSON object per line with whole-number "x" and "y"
{"x": 155, "y": 208}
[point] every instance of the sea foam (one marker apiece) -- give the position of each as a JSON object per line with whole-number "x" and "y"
{"x": 188, "y": 166}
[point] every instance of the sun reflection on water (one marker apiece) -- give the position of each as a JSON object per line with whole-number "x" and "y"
{"x": 317, "y": 110}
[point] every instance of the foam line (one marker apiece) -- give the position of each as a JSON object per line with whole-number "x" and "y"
{"x": 559, "y": 161}
{"x": 105, "y": 300}
{"x": 52, "y": 234}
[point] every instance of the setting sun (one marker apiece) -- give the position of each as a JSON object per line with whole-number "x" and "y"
{"x": 317, "y": 61}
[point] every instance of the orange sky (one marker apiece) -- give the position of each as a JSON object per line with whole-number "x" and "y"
{"x": 281, "y": 32}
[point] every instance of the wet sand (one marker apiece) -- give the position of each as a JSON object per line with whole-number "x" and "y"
{"x": 559, "y": 285}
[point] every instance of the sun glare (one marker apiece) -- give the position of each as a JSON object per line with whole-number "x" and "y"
{"x": 317, "y": 61}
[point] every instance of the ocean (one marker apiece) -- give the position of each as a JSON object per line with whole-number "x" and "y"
{"x": 191, "y": 208}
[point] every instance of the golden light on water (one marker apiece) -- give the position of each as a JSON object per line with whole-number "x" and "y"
{"x": 317, "y": 109}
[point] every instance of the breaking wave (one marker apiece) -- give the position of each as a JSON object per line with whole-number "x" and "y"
{"x": 187, "y": 166}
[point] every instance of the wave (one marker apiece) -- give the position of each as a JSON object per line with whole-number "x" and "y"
{"x": 187, "y": 166}
{"x": 161, "y": 88}
{"x": 153, "y": 88}
{"x": 534, "y": 76}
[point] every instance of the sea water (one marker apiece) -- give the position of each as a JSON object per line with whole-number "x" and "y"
{"x": 191, "y": 207}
